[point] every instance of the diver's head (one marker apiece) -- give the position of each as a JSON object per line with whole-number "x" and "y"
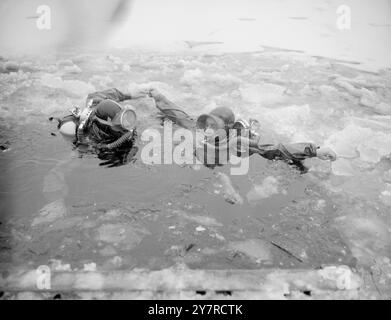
{"x": 218, "y": 118}
{"x": 219, "y": 121}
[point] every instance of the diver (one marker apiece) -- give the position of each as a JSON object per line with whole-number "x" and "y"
{"x": 221, "y": 120}
{"x": 104, "y": 126}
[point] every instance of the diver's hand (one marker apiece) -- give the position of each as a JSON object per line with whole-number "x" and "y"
{"x": 154, "y": 93}
{"x": 102, "y": 147}
{"x": 116, "y": 158}
{"x": 139, "y": 93}
{"x": 326, "y": 154}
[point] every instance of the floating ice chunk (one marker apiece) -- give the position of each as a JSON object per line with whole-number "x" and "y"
{"x": 254, "y": 248}
{"x": 342, "y": 167}
{"x": 219, "y": 237}
{"x": 224, "y": 80}
{"x": 72, "y": 69}
{"x": 371, "y": 145}
{"x": 369, "y": 98}
{"x": 291, "y": 121}
{"x": 57, "y": 265}
{"x": 348, "y": 87}
{"x": 11, "y": 66}
{"x": 203, "y": 220}
{"x": 51, "y": 212}
{"x": 385, "y": 195}
{"x": 125, "y": 235}
{"x": 345, "y": 142}
{"x": 200, "y": 229}
{"x": 196, "y": 76}
{"x": 375, "y": 147}
{"x": 89, "y": 267}
{"x": 341, "y": 276}
{"x": 76, "y": 87}
{"x": 367, "y": 235}
{"x": 115, "y": 262}
{"x": 192, "y": 77}
{"x": 326, "y": 90}
{"x": 317, "y": 165}
{"x": 114, "y": 59}
{"x": 268, "y": 188}
{"x": 230, "y": 194}
{"x": 262, "y": 94}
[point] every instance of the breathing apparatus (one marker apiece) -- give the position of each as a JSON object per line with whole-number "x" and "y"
{"x": 248, "y": 129}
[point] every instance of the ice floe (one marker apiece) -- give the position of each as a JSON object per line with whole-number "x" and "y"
{"x": 265, "y": 94}
{"x": 50, "y": 213}
{"x": 356, "y": 141}
{"x": 76, "y": 87}
{"x": 256, "y": 249}
{"x": 269, "y": 187}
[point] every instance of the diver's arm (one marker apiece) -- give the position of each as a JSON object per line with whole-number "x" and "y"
{"x": 172, "y": 111}
{"x": 112, "y": 94}
{"x": 292, "y": 151}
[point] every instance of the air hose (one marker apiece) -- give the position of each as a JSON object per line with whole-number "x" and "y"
{"x": 120, "y": 141}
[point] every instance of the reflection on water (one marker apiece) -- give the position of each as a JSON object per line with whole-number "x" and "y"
{"x": 155, "y": 216}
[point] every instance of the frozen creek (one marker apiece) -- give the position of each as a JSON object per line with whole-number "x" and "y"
{"x": 67, "y": 212}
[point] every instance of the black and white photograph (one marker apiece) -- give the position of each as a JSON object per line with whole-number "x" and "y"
{"x": 195, "y": 150}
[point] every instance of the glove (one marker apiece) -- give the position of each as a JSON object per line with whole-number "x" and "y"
{"x": 118, "y": 157}
{"x": 102, "y": 147}
{"x": 326, "y": 154}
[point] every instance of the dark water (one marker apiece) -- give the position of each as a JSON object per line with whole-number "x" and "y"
{"x": 155, "y": 216}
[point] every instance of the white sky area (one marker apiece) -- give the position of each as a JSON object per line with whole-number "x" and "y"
{"x": 241, "y": 25}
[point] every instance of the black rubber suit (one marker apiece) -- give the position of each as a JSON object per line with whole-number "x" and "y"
{"x": 114, "y": 147}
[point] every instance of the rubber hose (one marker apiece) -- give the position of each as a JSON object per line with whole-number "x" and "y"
{"x": 120, "y": 141}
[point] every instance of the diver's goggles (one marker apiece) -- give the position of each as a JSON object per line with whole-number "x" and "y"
{"x": 124, "y": 120}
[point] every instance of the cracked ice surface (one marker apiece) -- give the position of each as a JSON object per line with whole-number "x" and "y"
{"x": 295, "y": 97}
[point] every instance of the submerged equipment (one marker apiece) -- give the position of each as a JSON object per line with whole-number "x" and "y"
{"x": 127, "y": 136}
{"x": 68, "y": 128}
{"x": 248, "y": 129}
{"x": 84, "y": 117}
{"x": 125, "y": 119}
{"x": 67, "y": 125}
